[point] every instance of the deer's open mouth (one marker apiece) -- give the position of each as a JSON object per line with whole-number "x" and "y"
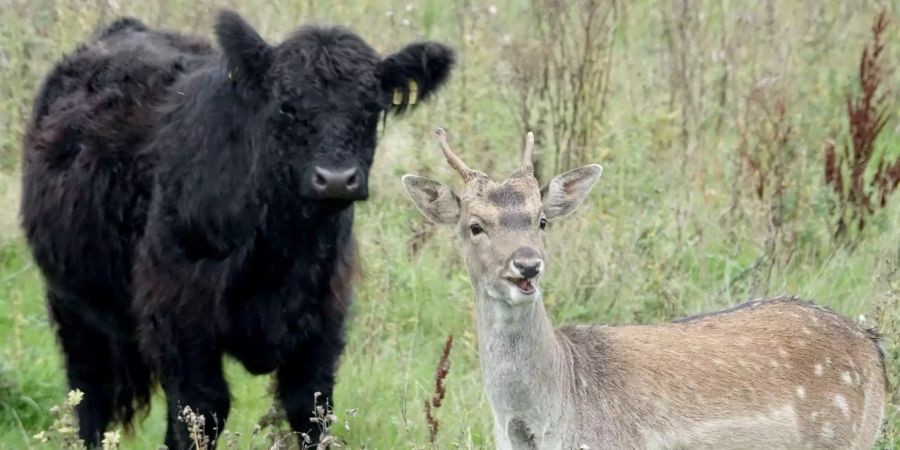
{"x": 525, "y": 285}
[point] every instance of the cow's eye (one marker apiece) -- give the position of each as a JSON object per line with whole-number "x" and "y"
{"x": 287, "y": 110}
{"x": 543, "y": 223}
{"x": 475, "y": 229}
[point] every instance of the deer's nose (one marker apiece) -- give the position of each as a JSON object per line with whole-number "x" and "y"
{"x": 526, "y": 262}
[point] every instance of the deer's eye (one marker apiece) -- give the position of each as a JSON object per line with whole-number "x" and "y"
{"x": 475, "y": 229}
{"x": 543, "y": 223}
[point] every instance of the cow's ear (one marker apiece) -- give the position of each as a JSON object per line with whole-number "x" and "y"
{"x": 247, "y": 54}
{"x": 414, "y": 73}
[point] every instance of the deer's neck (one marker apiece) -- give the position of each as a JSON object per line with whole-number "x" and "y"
{"x": 522, "y": 361}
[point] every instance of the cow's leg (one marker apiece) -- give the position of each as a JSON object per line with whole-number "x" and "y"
{"x": 309, "y": 370}
{"x": 90, "y": 367}
{"x": 192, "y": 377}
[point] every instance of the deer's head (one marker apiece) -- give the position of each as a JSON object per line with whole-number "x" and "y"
{"x": 501, "y": 225}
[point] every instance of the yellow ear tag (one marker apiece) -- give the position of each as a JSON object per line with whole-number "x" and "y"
{"x": 413, "y": 92}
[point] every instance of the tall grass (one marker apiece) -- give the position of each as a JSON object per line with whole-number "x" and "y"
{"x": 708, "y": 116}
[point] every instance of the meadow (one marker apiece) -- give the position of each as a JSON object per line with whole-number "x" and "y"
{"x": 721, "y": 126}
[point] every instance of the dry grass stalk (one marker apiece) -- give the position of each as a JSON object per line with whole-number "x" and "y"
{"x": 561, "y": 77}
{"x": 325, "y": 419}
{"x": 440, "y": 391}
{"x": 63, "y": 433}
{"x": 888, "y": 324}
{"x": 768, "y": 172}
{"x": 196, "y": 424}
{"x": 421, "y": 234}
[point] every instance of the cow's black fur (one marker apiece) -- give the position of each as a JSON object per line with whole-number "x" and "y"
{"x": 164, "y": 201}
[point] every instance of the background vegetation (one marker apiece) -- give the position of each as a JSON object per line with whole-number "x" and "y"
{"x": 722, "y": 126}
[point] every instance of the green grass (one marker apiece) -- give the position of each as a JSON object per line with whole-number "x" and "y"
{"x": 664, "y": 234}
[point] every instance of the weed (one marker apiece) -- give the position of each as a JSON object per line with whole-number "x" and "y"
{"x": 859, "y": 195}
{"x": 561, "y": 77}
{"x": 324, "y": 418}
{"x": 768, "y": 158}
{"x": 196, "y": 426}
{"x": 440, "y": 391}
{"x": 63, "y": 434}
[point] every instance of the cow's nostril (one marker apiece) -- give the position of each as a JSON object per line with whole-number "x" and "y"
{"x": 319, "y": 181}
{"x": 344, "y": 183}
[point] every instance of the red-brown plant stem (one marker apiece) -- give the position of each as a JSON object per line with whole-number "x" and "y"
{"x": 440, "y": 390}
{"x": 867, "y": 116}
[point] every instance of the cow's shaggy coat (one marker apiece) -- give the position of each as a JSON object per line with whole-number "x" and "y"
{"x": 167, "y": 201}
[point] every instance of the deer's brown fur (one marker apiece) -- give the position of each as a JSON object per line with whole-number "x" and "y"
{"x": 776, "y": 373}
{"x": 779, "y": 372}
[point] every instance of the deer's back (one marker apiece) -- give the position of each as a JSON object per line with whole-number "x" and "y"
{"x": 779, "y": 373}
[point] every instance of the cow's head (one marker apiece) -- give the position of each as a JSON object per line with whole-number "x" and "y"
{"x": 320, "y": 95}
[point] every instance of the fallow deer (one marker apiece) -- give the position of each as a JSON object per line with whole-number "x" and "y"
{"x": 776, "y": 373}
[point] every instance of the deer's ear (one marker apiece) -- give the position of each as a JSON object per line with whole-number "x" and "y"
{"x": 436, "y": 201}
{"x": 566, "y": 191}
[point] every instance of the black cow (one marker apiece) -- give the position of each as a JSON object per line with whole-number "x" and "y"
{"x": 184, "y": 203}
